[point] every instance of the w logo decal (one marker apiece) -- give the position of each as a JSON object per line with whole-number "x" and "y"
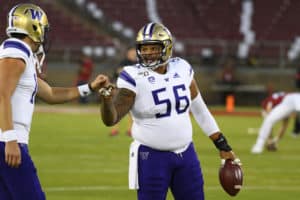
{"x": 36, "y": 14}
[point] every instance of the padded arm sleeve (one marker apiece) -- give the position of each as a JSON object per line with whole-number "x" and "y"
{"x": 203, "y": 116}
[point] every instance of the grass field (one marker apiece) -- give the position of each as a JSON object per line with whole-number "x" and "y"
{"x": 77, "y": 159}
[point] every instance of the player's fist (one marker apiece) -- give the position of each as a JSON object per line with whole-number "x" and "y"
{"x": 99, "y": 82}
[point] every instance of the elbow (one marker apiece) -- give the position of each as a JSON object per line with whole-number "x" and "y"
{"x": 4, "y": 98}
{"x": 50, "y": 102}
{"x": 108, "y": 117}
{"x": 108, "y": 122}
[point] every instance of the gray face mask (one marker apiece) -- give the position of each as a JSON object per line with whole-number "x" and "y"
{"x": 40, "y": 57}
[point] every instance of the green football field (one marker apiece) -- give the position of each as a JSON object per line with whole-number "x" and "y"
{"x": 78, "y": 160}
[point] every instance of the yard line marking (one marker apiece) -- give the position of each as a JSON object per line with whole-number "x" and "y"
{"x": 124, "y": 170}
{"x": 84, "y": 171}
{"x": 40, "y": 108}
{"x": 84, "y": 188}
{"x": 66, "y": 109}
{"x": 252, "y": 131}
{"x": 271, "y": 187}
{"x": 111, "y": 187}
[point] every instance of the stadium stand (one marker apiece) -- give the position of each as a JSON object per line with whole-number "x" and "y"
{"x": 196, "y": 24}
{"x": 282, "y": 15}
{"x": 132, "y": 13}
{"x": 215, "y": 24}
{"x": 209, "y": 31}
{"x": 68, "y": 32}
{"x": 201, "y": 25}
{"x": 276, "y": 27}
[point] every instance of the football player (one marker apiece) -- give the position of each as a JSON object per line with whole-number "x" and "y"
{"x": 289, "y": 104}
{"x": 267, "y": 105}
{"x": 159, "y": 92}
{"x": 19, "y": 84}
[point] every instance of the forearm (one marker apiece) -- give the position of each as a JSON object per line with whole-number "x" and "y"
{"x": 61, "y": 95}
{"x": 115, "y": 105}
{"x": 5, "y": 114}
{"x": 55, "y": 95}
{"x": 222, "y": 145}
{"x": 220, "y": 142}
{"x": 108, "y": 112}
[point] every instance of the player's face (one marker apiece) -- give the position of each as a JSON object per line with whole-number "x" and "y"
{"x": 150, "y": 52}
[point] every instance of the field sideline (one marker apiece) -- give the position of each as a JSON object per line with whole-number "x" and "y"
{"x": 77, "y": 159}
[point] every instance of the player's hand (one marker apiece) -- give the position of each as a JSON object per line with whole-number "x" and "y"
{"x": 236, "y": 161}
{"x": 108, "y": 92}
{"x": 229, "y": 155}
{"x": 12, "y": 154}
{"x": 100, "y": 81}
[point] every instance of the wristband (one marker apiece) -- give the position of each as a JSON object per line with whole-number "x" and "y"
{"x": 10, "y": 135}
{"x": 84, "y": 90}
{"x": 221, "y": 143}
{"x": 90, "y": 87}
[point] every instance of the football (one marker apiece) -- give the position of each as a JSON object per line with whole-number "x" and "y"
{"x": 231, "y": 177}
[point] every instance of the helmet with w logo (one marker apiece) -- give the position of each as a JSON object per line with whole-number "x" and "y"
{"x": 28, "y": 19}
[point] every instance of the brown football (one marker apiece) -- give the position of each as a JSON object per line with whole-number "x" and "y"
{"x": 231, "y": 177}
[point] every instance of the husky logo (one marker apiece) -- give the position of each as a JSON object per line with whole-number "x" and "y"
{"x": 35, "y": 14}
{"x": 144, "y": 155}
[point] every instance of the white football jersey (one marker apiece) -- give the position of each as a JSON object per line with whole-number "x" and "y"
{"x": 162, "y": 103}
{"x": 22, "y": 100}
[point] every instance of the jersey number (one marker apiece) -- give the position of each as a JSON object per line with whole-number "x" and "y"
{"x": 179, "y": 100}
{"x": 35, "y": 90}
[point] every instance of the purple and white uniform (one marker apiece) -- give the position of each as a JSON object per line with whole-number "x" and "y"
{"x": 20, "y": 183}
{"x": 162, "y": 154}
{"x": 22, "y": 101}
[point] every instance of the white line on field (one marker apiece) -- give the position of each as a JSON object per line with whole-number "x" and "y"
{"x": 114, "y": 188}
{"x": 278, "y": 170}
{"x": 66, "y": 109}
{"x": 84, "y": 188}
{"x": 84, "y": 171}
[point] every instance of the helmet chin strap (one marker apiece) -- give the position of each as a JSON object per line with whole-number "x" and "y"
{"x": 153, "y": 65}
{"x": 157, "y": 65}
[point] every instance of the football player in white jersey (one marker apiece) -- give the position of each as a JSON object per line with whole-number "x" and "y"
{"x": 27, "y": 30}
{"x": 160, "y": 92}
{"x": 289, "y": 105}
